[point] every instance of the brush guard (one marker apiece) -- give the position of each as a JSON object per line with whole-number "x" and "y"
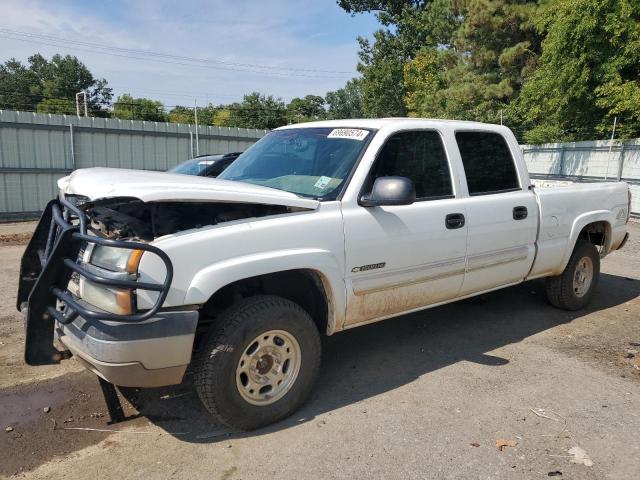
{"x": 46, "y": 268}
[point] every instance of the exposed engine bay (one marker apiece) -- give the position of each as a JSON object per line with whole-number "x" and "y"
{"x": 121, "y": 218}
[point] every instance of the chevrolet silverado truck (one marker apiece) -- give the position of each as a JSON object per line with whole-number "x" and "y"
{"x": 316, "y": 228}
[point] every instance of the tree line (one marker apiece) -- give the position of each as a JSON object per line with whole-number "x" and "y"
{"x": 552, "y": 70}
{"x": 50, "y": 86}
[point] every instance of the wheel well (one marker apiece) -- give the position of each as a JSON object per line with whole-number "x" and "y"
{"x": 597, "y": 233}
{"x": 303, "y": 287}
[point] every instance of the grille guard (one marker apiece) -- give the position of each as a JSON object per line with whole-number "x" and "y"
{"x": 46, "y": 268}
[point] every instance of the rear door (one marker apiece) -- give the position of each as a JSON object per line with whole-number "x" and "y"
{"x": 502, "y": 215}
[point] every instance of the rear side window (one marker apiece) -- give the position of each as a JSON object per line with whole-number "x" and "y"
{"x": 419, "y": 156}
{"x": 487, "y": 162}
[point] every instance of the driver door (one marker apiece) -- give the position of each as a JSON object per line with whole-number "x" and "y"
{"x": 403, "y": 258}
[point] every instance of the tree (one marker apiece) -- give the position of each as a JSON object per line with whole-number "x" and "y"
{"x": 390, "y": 7}
{"x": 59, "y": 106}
{"x": 499, "y": 45}
{"x": 381, "y": 65}
{"x": 16, "y": 83}
{"x": 447, "y": 58}
{"x": 52, "y": 83}
{"x": 589, "y": 71}
{"x": 63, "y": 77}
{"x": 180, "y": 114}
{"x": 306, "y": 109}
{"x": 222, "y": 117}
{"x": 258, "y": 111}
{"x": 129, "y": 108}
{"x": 346, "y": 102}
{"x": 423, "y": 81}
{"x": 209, "y": 115}
{"x": 409, "y": 26}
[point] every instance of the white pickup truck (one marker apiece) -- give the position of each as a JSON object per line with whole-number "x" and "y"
{"x": 317, "y": 228}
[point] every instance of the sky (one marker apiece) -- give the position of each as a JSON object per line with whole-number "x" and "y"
{"x": 286, "y": 48}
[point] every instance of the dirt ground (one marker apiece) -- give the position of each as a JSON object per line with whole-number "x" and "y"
{"x": 427, "y": 395}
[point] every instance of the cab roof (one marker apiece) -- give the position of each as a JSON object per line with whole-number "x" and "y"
{"x": 378, "y": 123}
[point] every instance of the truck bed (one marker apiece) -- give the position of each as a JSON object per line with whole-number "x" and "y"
{"x": 565, "y": 208}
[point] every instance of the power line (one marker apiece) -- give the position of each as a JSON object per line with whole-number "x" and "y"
{"x": 41, "y": 97}
{"x": 190, "y": 94}
{"x": 150, "y": 92}
{"x": 167, "y": 55}
{"x": 268, "y": 70}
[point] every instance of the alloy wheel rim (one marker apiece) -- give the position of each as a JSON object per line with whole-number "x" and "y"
{"x": 268, "y": 367}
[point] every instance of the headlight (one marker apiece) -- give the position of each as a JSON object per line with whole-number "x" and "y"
{"x": 119, "y": 263}
{"x": 116, "y": 259}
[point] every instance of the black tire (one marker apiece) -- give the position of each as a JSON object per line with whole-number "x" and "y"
{"x": 220, "y": 354}
{"x": 560, "y": 289}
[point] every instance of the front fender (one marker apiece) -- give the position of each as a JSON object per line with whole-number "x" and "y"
{"x": 213, "y": 277}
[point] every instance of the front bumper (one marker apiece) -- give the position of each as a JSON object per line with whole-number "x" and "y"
{"x": 152, "y": 353}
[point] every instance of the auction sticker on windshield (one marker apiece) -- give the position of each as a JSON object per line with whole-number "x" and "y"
{"x": 351, "y": 133}
{"x": 322, "y": 182}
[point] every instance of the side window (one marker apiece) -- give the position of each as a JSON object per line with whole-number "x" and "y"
{"x": 420, "y": 156}
{"x": 487, "y": 161}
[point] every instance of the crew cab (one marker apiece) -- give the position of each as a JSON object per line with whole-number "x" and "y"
{"x": 317, "y": 228}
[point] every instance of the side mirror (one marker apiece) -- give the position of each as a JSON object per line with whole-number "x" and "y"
{"x": 390, "y": 191}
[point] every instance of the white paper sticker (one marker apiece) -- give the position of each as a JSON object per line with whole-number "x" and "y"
{"x": 322, "y": 182}
{"x": 351, "y": 133}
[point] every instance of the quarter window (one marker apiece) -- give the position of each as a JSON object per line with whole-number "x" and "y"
{"x": 419, "y": 156}
{"x": 488, "y": 164}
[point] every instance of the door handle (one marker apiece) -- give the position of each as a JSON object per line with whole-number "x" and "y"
{"x": 520, "y": 213}
{"x": 454, "y": 220}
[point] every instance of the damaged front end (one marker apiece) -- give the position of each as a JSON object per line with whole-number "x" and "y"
{"x": 54, "y": 257}
{"x": 125, "y": 218}
{"x": 80, "y": 269}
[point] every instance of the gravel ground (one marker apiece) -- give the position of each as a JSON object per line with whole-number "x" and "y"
{"x": 16, "y": 233}
{"x": 426, "y": 395}
{"x": 17, "y": 227}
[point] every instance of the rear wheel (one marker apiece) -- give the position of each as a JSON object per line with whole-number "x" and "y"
{"x": 259, "y": 362}
{"x": 573, "y": 289}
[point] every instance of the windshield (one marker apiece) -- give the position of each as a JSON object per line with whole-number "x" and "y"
{"x": 312, "y": 162}
{"x": 194, "y": 166}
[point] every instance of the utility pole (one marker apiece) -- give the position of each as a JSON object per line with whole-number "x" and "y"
{"x": 613, "y": 134}
{"x": 195, "y": 115}
{"x": 78, "y": 103}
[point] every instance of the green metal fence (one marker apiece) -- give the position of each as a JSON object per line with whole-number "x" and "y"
{"x": 589, "y": 161}
{"x": 37, "y": 149}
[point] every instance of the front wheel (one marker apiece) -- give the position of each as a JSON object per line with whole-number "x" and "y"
{"x": 573, "y": 289}
{"x": 259, "y": 362}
